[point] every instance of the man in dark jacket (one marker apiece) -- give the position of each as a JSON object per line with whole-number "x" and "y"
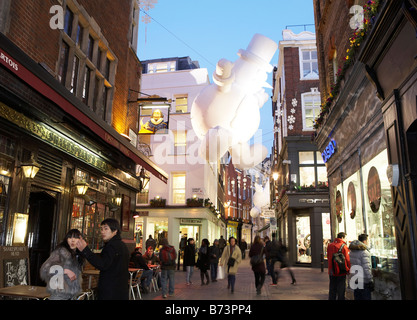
{"x": 139, "y": 262}
{"x": 167, "y": 255}
{"x": 214, "y": 259}
{"x": 337, "y": 285}
{"x": 113, "y": 262}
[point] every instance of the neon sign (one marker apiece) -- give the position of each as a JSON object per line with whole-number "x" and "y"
{"x": 329, "y": 151}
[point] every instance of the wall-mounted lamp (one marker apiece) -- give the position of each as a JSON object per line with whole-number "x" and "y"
{"x": 30, "y": 168}
{"x": 81, "y": 187}
{"x": 118, "y": 200}
{"x": 275, "y": 176}
{"x": 143, "y": 179}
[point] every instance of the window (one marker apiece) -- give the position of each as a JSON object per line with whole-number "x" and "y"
{"x": 181, "y": 104}
{"x": 311, "y": 108}
{"x": 86, "y": 66}
{"x": 158, "y": 67}
{"x": 74, "y": 76}
{"x": 69, "y": 18}
{"x": 178, "y": 188}
{"x": 309, "y": 65}
{"x": 63, "y": 63}
{"x": 134, "y": 26}
{"x": 180, "y": 142}
{"x": 313, "y": 172}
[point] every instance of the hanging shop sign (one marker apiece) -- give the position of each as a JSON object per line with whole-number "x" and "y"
{"x": 329, "y": 151}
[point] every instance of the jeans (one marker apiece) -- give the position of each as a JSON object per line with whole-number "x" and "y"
{"x": 147, "y": 277}
{"x": 337, "y": 287}
{"x": 189, "y": 274}
{"x": 213, "y": 270}
{"x": 167, "y": 275}
{"x": 231, "y": 279}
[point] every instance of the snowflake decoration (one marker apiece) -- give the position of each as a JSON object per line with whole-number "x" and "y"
{"x": 293, "y": 110}
{"x": 146, "y": 19}
{"x": 291, "y": 119}
{"x": 147, "y": 4}
{"x": 290, "y": 127}
{"x": 294, "y": 102}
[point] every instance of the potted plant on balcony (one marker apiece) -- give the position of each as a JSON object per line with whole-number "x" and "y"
{"x": 195, "y": 202}
{"x": 158, "y": 202}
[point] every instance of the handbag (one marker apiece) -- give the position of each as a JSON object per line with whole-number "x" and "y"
{"x": 257, "y": 259}
{"x": 231, "y": 262}
{"x": 220, "y": 273}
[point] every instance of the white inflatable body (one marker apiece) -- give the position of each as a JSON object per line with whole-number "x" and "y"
{"x": 225, "y": 115}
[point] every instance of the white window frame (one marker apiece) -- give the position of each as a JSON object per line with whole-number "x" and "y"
{"x": 310, "y": 76}
{"x": 313, "y": 93}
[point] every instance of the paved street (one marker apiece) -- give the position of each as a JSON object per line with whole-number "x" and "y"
{"x": 311, "y": 284}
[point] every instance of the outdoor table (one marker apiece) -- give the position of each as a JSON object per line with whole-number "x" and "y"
{"x": 91, "y": 273}
{"x": 25, "y": 291}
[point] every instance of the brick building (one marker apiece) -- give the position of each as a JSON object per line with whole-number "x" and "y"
{"x": 300, "y": 194}
{"x": 366, "y": 128}
{"x": 68, "y": 71}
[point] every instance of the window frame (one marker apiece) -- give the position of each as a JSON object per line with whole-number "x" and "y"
{"x": 314, "y": 94}
{"x": 310, "y": 61}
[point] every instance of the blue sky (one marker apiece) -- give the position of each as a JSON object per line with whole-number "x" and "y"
{"x": 208, "y": 31}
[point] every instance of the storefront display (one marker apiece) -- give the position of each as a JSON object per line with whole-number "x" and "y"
{"x": 374, "y": 216}
{"x": 303, "y": 239}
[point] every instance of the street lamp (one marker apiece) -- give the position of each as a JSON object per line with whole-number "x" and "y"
{"x": 275, "y": 176}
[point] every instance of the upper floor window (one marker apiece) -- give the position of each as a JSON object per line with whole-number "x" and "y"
{"x": 159, "y": 67}
{"x": 181, "y": 104}
{"x": 309, "y": 65}
{"x": 311, "y": 108}
{"x": 313, "y": 172}
{"x": 86, "y": 66}
{"x": 178, "y": 188}
{"x": 180, "y": 142}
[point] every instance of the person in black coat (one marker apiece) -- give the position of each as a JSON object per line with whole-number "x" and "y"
{"x": 215, "y": 255}
{"x": 259, "y": 269}
{"x": 203, "y": 262}
{"x": 189, "y": 260}
{"x": 113, "y": 262}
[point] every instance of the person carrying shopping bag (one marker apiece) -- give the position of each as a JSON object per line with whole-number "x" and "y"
{"x": 231, "y": 258}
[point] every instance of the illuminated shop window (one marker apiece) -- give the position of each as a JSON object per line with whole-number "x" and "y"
{"x": 178, "y": 188}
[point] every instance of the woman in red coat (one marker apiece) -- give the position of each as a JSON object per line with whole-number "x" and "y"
{"x": 259, "y": 269}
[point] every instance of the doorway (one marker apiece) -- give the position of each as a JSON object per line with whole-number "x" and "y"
{"x": 40, "y": 231}
{"x": 303, "y": 235}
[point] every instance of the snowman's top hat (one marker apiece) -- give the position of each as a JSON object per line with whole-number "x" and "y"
{"x": 260, "y": 50}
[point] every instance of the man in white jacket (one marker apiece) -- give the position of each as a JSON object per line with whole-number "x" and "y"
{"x": 360, "y": 259}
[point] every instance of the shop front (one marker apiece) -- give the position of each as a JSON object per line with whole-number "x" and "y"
{"x": 177, "y": 224}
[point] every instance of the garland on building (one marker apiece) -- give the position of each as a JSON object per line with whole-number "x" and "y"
{"x": 370, "y": 10}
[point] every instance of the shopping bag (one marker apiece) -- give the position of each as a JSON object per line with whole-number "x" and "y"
{"x": 220, "y": 272}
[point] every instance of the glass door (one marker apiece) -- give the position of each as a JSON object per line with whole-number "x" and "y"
{"x": 303, "y": 239}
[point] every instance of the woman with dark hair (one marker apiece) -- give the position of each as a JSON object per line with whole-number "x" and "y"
{"x": 62, "y": 270}
{"x": 231, "y": 257}
{"x": 113, "y": 262}
{"x": 203, "y": 262}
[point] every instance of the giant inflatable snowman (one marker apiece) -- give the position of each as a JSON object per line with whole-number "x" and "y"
{"x": 225, "y": 115}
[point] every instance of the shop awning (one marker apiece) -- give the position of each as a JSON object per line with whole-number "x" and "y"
{"x": 14, "y": 59}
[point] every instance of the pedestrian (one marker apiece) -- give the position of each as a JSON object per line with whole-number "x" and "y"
{"x": 113, "y": 262}
{"x": 337, "y": 285}
{"x": 231, "y": 257}
{"x": 274, "y": 255}
{"x": 222, "y": 244}
{"x": 214, "y": 260}
{"x": 285, "y": 263}
{"x": 259, "y": 270}
{"x": 167, "y": 255}
{"x": 138, "y": 261}
{"x": 150, "y": 242}
{"x": 189, "y": 260}
{"x": 361, "y": 258}
{"x": 243, "y": 246}
{"x": 267, "y": 243}
{"x": 67, "y": 260}
{"x": 203, "y": 262}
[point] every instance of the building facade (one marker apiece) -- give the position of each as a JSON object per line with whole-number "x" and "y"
{"x": 300, "y": 192}
{"x": 188, "y": 205}
{"x": 65, "y": 81}
{"x": 366, "y": 129}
